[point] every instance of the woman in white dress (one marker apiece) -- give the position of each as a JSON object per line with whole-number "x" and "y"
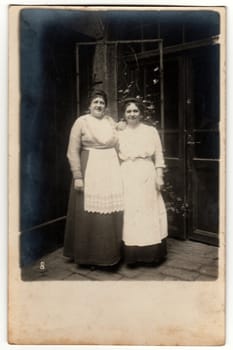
{"x": 142, "y": 163}
{"x": 93, "y": 233}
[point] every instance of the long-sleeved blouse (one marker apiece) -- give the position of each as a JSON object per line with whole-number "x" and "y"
{"x": 89, "y": 132}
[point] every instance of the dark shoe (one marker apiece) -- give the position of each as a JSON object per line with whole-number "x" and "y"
{"x": 158, "y": 262}
{"x": 133, "y": 265}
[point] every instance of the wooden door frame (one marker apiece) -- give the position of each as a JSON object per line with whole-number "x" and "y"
{"x": 186, "y": 126}
{"x": 192, "y": 233}
{"x": 181, "y": 158}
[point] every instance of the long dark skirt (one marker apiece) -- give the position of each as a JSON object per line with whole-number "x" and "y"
{"x": 155, "y": 253}
{"x": 91, "y": 238}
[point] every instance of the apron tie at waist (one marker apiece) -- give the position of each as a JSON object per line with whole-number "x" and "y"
{"x": 136, "y": 158}
{"x": 97, "y": 148}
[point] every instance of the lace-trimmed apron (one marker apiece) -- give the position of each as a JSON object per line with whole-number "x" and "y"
{"x": 103, "y": 187}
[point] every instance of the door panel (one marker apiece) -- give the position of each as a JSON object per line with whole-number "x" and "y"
{"x": 203, "y": 143}
{"x": 191, "y": 93}
{"x": 205, "y": 195}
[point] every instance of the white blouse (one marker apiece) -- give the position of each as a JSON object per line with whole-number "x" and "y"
{"x": 143, "y": 141}
{"x": 89, "y": 132}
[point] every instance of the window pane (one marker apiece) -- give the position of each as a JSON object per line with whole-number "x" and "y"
{"x": 206, "y": 144}
{"x": 171, "y": 147}
{"x": 171, "y": 94}
{"x": 206, "y": 88}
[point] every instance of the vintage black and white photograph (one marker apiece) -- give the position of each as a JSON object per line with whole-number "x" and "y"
{"x": 119, "y": 167}
{"x": 120, "y": 145}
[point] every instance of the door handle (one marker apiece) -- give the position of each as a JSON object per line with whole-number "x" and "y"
{"x": 193, "y": 142}
{"x": 190, "y": 140}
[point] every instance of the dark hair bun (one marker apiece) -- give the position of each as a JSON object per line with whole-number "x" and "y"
{"x": 96, "y": 93}
{"x": 134, "y": 100}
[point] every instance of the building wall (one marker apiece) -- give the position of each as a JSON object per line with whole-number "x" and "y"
{"x": 47, "y": 112}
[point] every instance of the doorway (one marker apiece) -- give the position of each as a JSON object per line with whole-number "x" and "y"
{"x": 202, "y": 142}
{"x": 191, "y": 110}
{"x": 183, "y": 91}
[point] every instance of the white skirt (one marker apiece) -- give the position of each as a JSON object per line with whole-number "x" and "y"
{"x": 103, "y": 188}
{"x": 145, "y": 217}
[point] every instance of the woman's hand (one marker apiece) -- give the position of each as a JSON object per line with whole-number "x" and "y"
{"x": 78, "y": 185}
{"x": 159, "y": 183}
{"x": 159, "y": 179}
{"x": 121, "y": 125}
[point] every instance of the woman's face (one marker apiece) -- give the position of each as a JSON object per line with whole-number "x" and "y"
{"x": 97, "y": 107}
{"x": 132, "y": 114}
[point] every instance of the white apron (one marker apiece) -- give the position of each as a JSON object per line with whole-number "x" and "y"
{"x": 103, "y": 192}
{"x": 145, "y": 218}
{"x": 102, "y": 184}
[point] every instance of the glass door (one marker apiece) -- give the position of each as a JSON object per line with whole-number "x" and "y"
{"x": 202, "y": 143}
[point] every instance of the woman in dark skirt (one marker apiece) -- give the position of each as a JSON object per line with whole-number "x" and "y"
{"x": 93, "y": 233}
{"x": 145, "y": 218}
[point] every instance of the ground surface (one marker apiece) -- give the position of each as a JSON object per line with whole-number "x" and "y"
{"x": 186, "y": 261}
